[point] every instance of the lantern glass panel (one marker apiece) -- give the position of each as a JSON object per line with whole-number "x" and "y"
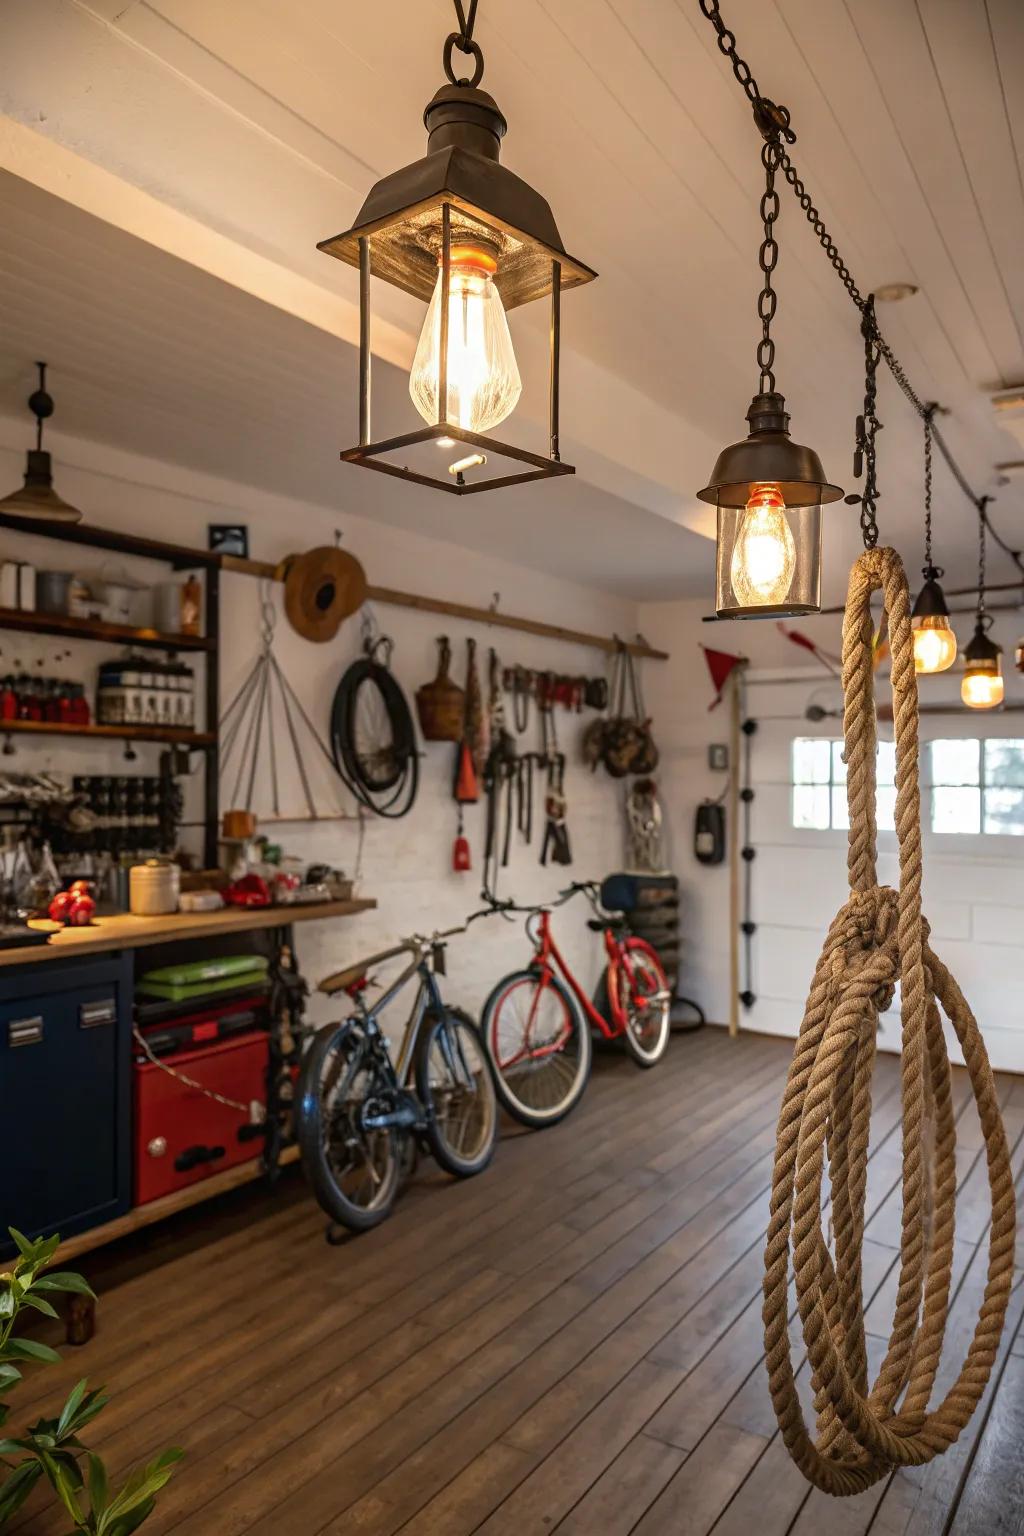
{"x": 768, "y": 558}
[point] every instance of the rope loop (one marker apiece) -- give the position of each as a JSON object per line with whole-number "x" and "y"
{"x": 878, "y": 938}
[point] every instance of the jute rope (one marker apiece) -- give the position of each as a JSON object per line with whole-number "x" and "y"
{"x": 878, "y": 938}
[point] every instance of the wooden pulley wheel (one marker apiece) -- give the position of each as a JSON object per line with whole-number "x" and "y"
{"x": 321, "y": 588}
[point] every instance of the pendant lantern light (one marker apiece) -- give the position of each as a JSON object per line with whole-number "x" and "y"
{"x": 934, "y": 640}
{"x": 37, "y": 500}
{"x": 473, "y": 241}
{"x": 982, "y": 685}
{"x": 768, "y": 490}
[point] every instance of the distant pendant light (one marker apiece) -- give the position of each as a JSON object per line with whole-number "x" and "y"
{"x": 934, "y": 640}
{"x": 37, "y": 500}
{"x": 459, "y": 231}
{"x": 768, "y": 490}
{"x": 982, "y": 686}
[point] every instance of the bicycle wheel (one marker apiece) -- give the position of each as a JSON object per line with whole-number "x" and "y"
{"x": 456, "y": 1090}
{"x": 354, "y": 1169}
{"x": 539, "y": 1047}
{"x": 640, "y": 1001}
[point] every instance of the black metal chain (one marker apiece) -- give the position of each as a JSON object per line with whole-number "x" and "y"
{"x": 982, "y": 524}
{"x": 766, "y": 299}
{"x": 767, "y": 114}
{"x": 463, "y": 41}
{"x": 928, "y": 417}
{"x": 865, "y": 456}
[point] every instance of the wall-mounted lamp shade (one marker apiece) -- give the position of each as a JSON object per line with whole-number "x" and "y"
{"x": 934, "y": 640}
{"x": 769, "y": 492}
{"x": 463, "y": 233}
{"x": 982, "y": 685}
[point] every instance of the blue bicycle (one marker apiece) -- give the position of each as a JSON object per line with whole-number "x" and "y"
{"x": 361, "y": 1115}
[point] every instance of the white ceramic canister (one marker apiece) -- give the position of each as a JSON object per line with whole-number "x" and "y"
{"x": 153, "y": 888}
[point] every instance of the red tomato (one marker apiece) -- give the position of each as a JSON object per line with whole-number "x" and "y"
{"x": 82, "y": 910}
{"x": 60, "y": 906}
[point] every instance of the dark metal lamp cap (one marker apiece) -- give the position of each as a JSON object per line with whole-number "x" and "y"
{"x": 931, "y": 600}
{"x": 770, "y": 456}
{"x": 981, "y": 651}
{"x": 464, "y": 117}
{"x": 37, "y": 500}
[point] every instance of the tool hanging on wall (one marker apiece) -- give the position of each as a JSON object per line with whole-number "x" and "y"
{"x": 556, "y": 844}
{"x": 709, "y": 831}
{"x": 322, "y": 588}
{"x": 644, "y": 826}
{"x": 373, "y": 738}
{"x": 878, "y": 939}
{"x": 502, "y": 779}
{"x": 441, "y": 703}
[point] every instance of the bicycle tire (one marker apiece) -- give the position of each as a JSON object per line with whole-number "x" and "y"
{"x": 309, "y": 1133}
{"x": 644, "y": 1056}
{"x": 536, "y": 1119}
{"x": 445, "y": 1155}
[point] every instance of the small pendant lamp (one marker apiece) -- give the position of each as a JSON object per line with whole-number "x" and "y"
{"x": 768, "y": 490}
{"x": 982, "y": 685}
{"x": 934, "y": 640}
{"x": 37, "y": 500}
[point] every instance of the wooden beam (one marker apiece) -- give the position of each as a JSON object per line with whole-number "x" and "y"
{"x": 490, "y": 616}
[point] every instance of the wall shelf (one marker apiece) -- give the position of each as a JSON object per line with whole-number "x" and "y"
{"x": 65, "y": 628}
{"x": 169, "y": 735}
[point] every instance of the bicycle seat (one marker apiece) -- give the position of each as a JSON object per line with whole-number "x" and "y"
{"x": 599, "y": 924}
{"x": 342, "y": 981}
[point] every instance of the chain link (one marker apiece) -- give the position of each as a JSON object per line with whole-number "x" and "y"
{"x": 983, "y": 502}
{"x": 463, "y": 41}
{"x": 769, "y": 256}
{"x": 928, "y": 417}
{"x": 865, "y": 458}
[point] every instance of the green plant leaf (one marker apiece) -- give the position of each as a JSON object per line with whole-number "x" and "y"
{"x": 8, "y": 1302}
{"x": 71, "y": 1407}
{"x": 21, "y": 1242}
{"x": 99, "y": 1486}
{"x": 62, "y": 1485}
{"x": 129, "y": 1523}
{"x": 12, "y": 1447}
{"x": 31, "y": 1349}
{"x": 9, "y": 1374}
{"x": 39, "y": 1302}
{"x": 16, "y": 1489}
{"x": 142, "y": 1484}
{"x": 64, "y": 1280}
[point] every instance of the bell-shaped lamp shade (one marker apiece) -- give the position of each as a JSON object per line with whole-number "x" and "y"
{"x": 934, "y": 640}
{"x": 982, "y": 685}
{"x": 36, "y": 499}
{"x": 769, "y": 492}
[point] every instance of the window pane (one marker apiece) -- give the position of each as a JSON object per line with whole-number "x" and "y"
{"x": 956, "y": 810}
{"x": 955, "y": 762}
{"x": 886, "y": 762}
{"x": 885, "y": 810}
{"x": 1004, "y": 762}
{"x": 838, "y": 765}
{"x": 810, "y": 805}
{"x": 1004, "y": 811}
{"x": 811, "y": 758}
{"x": 840, "y": 809}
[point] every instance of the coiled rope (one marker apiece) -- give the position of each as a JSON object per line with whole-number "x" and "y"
{"x": 878, "y": 938}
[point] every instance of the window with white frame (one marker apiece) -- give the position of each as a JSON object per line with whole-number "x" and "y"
{"x": 977, "y": 786}
{"x": 972, "y": 787}
{"x": 819, "y": 785}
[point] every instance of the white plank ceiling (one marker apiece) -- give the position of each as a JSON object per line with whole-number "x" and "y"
{"x": 266, "y": 122}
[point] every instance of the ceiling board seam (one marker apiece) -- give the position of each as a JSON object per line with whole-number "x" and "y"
{"x": 1018, "y": 150}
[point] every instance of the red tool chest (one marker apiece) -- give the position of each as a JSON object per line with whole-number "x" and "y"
{"x": 182, "y": 1136}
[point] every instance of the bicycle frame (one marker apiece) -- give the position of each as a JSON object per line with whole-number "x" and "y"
{"x": 428, "y": 1000}
{"x": 548, "y": 959}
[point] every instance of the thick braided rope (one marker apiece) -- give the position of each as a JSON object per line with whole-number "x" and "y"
{"x": 878, "y": 938}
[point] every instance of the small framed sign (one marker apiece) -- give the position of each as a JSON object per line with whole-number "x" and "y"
{"x": 229, "y": 539}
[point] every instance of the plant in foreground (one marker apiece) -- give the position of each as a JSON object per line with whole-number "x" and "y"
{"x": 51, "y": 1448}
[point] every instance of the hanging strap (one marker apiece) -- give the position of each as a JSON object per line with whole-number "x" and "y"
{"x": 878, "y": 938}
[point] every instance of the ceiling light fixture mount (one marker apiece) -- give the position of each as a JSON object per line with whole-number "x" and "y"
{"x": 472, "y": 240}
{"x": 37, "y": 501}
{"x": 768, "y": 490}
{"x": 895, "y": 293}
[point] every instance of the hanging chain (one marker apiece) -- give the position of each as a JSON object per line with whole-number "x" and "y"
{"x": 463, "y": 41}
{"x": 982, "y": 525}
{"x": 778, "y": 116}
{"x": 767, "y": 299}
{"x": 817, "y": 223}
{"x": 865, "y": 457}
{"x": 928, "y": 415}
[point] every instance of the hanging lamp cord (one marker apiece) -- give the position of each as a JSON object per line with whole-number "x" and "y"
{"x": 877, "y": 939}
{"x": 766, "y": 110}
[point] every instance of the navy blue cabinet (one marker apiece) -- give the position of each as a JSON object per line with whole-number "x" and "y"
{"x": 65, "y": 1102}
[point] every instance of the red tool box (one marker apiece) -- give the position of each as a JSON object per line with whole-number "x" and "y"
{"x": 181, "y": 1134}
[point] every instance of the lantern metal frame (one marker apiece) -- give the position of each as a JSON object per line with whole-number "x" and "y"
{"x": 404, "y": 233}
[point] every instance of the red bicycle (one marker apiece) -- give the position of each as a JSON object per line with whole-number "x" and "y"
{"x": 537, "y": 1022}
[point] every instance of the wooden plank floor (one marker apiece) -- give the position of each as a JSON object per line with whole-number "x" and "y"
{"x": 570, "y": 1343}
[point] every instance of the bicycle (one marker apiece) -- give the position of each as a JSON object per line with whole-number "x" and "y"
{"x": 360, "y": 1115}
{"x": 537, "y": 1023}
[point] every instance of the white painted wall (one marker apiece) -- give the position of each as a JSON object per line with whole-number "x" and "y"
{"x": 406, "y": 864}
{"x": 973, "y": 886}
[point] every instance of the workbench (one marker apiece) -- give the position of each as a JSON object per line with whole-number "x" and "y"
{"x": 66, "y": 1013}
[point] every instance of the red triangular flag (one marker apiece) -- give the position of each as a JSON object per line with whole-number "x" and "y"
{"x": 720, "y": 665}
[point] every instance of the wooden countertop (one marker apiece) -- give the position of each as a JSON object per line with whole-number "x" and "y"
{"x": 126, "y": 932}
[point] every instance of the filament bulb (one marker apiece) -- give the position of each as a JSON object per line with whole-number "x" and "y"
{"x": 764, "y": 557}
{"x": 483, "y": 376}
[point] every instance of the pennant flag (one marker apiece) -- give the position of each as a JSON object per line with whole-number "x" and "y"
{"x": 720, "y": 665}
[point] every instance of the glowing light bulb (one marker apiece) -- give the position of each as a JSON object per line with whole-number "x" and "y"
{"x": 764, "y": 558}
{"x": 483, "y": 376}
{"x": 934, "y": 643}
{"x": 982, "y": 690}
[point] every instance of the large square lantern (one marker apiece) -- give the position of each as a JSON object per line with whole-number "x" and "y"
{"x": 472, "y": 240}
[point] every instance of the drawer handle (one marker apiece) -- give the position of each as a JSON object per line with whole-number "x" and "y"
{"x": 92, "y": 1015}
{"x": 25, "y": 1031}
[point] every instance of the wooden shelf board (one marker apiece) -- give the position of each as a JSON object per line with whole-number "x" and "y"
{"x": 61, "y": 625}
{"x": 168, "y": 1205}
{"x": 94, "y": 537}
{"x": 123, "y": 931}
{"x": 169, "y": 735}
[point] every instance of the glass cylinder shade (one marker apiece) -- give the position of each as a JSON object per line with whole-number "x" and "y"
{"x": 934, "y": 643}
{"x": 768, "y": 557}
{"x": 483, "y": 376}
{"x": 982, "y": 685}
